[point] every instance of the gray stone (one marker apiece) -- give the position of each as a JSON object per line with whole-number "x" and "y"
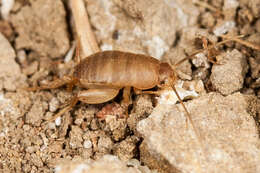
{"x": 139, "y": 29}
{"x": 229, "y": 138}
{"x": 42, "y": 27}
{"x": 229, "y": 76}
{"x": 10, "y": 72}
{"x": 106, "y": 164}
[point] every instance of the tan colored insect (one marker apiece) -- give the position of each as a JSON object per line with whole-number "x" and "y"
{"x": 103, "y": 74}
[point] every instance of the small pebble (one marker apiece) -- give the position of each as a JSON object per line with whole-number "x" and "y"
{"x": 87, "y": 144}
{"x": 58, "y": 121}
{"x": 51, "y": 125}
{"x": 21, "y": 55}
{"x": 54, "y": 104}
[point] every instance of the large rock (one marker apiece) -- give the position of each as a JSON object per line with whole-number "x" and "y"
{"x": 228, "y": 77}
{"x": 42, "y": 27}
{"x": 229, "y": 137}
{"x": 131, "y": 25}
{"x": 10, "y": 72}
{"x": 106, "y": 164}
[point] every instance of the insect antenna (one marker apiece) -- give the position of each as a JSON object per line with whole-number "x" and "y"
{"x": 188, "y": 116}
{"x": 207, "y": 49}
{"x": 243, "y": 42}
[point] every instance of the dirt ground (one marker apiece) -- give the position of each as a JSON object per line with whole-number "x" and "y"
{"x": 41, "y": 34}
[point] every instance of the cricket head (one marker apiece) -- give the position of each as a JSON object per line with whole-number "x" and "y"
{"x": 167, "y": 75}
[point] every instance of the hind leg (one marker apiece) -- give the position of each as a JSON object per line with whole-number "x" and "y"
{"x": 72, "y": 103}
{"x": 97, "y": 96}
{"x": 54, "y": 84}
{"x": 90, "y": 96}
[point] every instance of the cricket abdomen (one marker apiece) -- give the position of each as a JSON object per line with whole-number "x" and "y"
{"x": 118, "y": 69}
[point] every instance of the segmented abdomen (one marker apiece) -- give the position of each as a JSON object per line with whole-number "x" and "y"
{"x": 116, "y": 68}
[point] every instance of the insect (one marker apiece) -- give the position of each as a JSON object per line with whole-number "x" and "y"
{"x": 103, "y": 74}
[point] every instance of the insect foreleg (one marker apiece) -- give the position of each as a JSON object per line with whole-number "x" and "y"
{"x": 138, "y": 92}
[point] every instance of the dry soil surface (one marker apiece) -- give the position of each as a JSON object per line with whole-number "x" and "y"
{"x": 221, "y": 89}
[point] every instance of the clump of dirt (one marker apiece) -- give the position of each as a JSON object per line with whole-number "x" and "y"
{"x": 42, "y": 27}
{"x": 37, "y": 35}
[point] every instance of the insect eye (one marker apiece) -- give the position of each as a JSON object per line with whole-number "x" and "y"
{"x": 163, "y": 81}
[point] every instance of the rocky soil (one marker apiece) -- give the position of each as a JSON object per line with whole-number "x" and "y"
{"x": 221, "y": 89}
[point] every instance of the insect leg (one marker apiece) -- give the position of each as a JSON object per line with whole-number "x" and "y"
{"x": 53, "y": 84}
{"x": 126, "y": 98}
{"x": 91, "y": 96}
{"x": 126, "y": 95}
{"x": 138, "y": 92}
{"x": 66, "y": 109}
{"x": 97, "y": 96}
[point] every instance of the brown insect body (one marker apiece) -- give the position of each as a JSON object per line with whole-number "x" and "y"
{"x": 118, "y": 69}
{"x": 103, "y": 74}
